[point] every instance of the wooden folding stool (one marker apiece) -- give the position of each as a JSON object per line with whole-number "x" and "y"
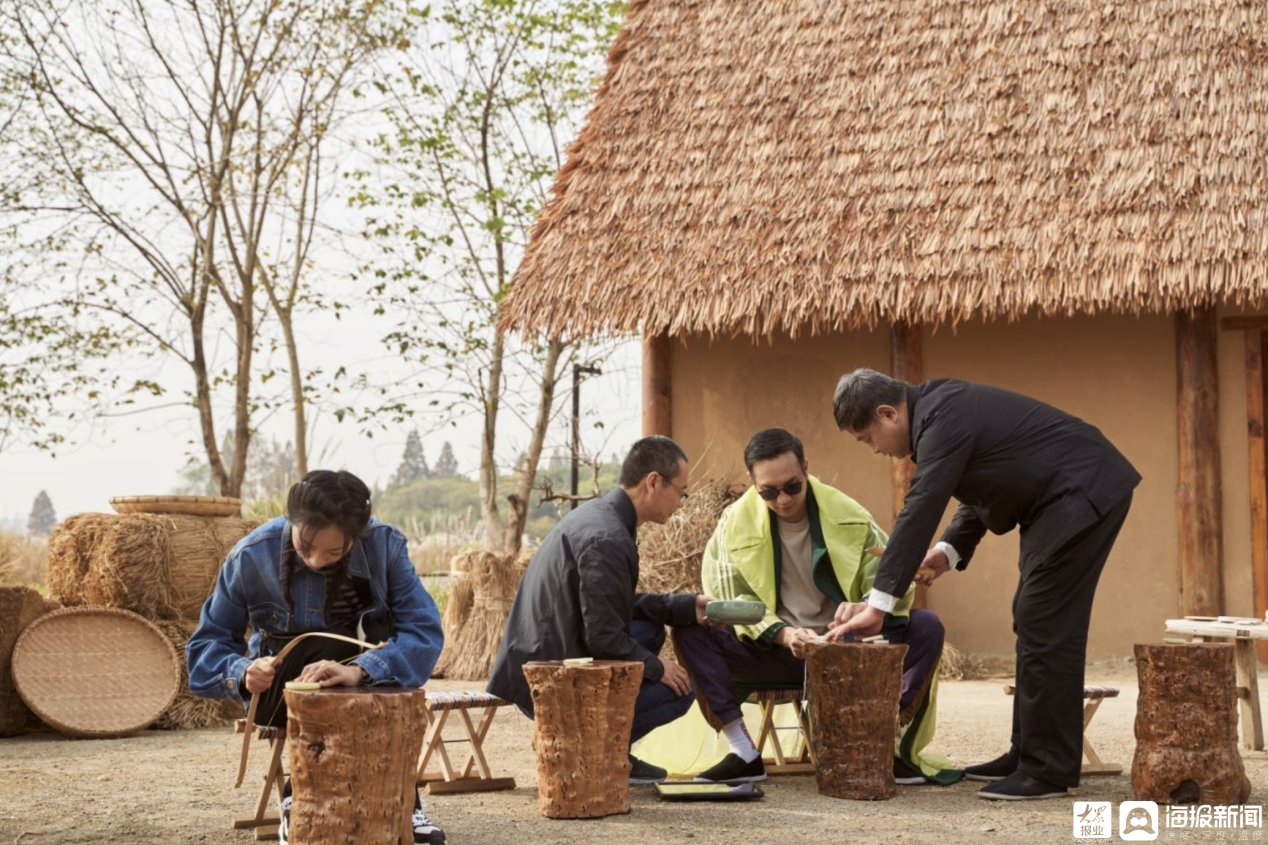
{"x": 265, "y": 827}
{"x": 801, "y": 762}
{"x": 1093, "y": 696}
{"x": 449, "y": 778}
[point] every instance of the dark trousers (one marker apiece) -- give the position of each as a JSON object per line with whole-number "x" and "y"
{"x": 656, "y": 704}
{"x": 1051, "y": 612}
{"x": 718, "y": 661}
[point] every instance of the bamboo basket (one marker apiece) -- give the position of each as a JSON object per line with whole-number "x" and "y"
{"x": 187, "y": 505}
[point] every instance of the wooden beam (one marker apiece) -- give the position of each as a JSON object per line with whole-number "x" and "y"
{"x": 1256, "y": 393}
{"x": 907, "y": 362}
{"x": 1200, "y": 547}
{"x": 1245, "y": 322}
{"x": 658, "y": 413}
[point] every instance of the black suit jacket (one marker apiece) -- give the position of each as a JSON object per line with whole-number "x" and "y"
{"x": 1011, "y": 461}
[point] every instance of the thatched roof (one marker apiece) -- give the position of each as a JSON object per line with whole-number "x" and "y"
{"x": 800, "y": 165}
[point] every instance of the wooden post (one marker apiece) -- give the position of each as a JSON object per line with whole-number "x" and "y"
{"x": 1186, "y": 726}
{"x": 353, "y": 756}
{"x": 907, "y": 362}
{"x": 658, "y": 411}
{"x": 582, "y": 717}
{"x": 1198, "y": 504}
{"x": 1256, "y": 396}
{"x": 853, "y": 690}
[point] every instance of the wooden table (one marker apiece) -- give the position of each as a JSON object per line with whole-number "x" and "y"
{"x": 1243, "y": 633}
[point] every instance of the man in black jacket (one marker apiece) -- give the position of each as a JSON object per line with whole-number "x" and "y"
{"x": 1011, "y": 461}
{"x": 578, "y": 597}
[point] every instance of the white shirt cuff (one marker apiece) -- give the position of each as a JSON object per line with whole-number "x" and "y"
{"x": 882, "y": 601}
{"x": 948, "y": 550}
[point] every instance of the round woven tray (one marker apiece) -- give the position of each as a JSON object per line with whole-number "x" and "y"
{"x": 188, "y": 505}
{"x": 95, "y": 671}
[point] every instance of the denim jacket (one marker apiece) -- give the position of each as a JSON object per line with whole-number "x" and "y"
{"x": 249, "y": 589}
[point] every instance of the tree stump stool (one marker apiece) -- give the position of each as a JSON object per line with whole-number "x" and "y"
{"x": 1186, "y": 726}
{"x": 353, "y": 756}
{"x": 853, "y": 690}
{"x": 582, "y": 720}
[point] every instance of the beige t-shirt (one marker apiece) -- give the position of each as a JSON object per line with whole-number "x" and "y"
{"x": 801, "y": 605}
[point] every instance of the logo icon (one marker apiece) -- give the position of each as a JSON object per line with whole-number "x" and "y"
{"x": 1138, "y": 821}
{"x": 1092, "y": 819}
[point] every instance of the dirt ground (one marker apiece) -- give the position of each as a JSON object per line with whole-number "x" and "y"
{"x": 176, "y": 787}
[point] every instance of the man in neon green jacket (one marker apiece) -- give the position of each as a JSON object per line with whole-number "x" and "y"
{"x": 809, "y": 553}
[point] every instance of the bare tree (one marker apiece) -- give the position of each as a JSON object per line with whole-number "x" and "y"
{"x": 481, "y": 116}
{"x": 183, "y": 139}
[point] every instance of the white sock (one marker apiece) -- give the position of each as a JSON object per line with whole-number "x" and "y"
{"x": 741, "y": 743}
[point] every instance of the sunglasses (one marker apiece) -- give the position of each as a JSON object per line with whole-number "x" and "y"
{"x": 770, "y": 494}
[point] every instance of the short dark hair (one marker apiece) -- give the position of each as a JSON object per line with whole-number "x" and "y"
{"x": 771, "y": 443}
{"x": 323, "y": 498}
{"x": 656, "y": 454}
{"x": 860, "y": 393}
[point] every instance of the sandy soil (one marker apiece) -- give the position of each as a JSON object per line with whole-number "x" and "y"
{"x": 176, "y": 787}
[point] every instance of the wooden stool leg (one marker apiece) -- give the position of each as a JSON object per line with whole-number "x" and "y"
{"x": 1094, "y": 764}
{"x": 1248, "y": 678}
{"x": 266, "y": 826}
{"x": 465, "y": 780}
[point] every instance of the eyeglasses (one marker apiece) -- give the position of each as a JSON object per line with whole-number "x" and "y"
{"x": 792, "y": 488}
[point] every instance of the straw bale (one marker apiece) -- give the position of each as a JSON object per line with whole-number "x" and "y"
{"x": 19, "y": 607}
{"x": 158, "y": 565}
{"x": 926, "y": 163}
{"x": 670, "y": 553}
{"x": 472, "y": 644}
{"x": 187, "y": 710}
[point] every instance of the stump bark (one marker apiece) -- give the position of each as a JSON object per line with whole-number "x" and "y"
{"x": 582, "y": 717}
{"x": 853, "y": 690}
{"x": 1186, "y": 726}
{"x": 354, "y": 755}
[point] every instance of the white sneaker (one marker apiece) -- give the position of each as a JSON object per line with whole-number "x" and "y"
{"x": 284, "y": 829}
{"x": 425, "y": 830}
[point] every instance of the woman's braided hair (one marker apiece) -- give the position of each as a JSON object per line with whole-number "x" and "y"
{"x": 320, "y": 499}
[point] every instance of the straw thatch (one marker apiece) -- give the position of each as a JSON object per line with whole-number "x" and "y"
{"x": 669, "y": 555}
{"x": 19, "y": 607}
{"x": 160, "y": 566}
{"x": 481, "y": 593}
{"x": 188, "y": 711}
{"x": 801, "y": 166}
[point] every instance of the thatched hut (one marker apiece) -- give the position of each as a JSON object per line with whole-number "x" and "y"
{"x": 1068, "y": 199}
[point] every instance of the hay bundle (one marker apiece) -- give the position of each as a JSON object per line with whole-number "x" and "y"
{"x": 160, "y": 566}
{"x": 473, "y": 629}
{"x": 187, "y": 710}
{"x": 670, "y": 554}
{"x": 19, "y": 607}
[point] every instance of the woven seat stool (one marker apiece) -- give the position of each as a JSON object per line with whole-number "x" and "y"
{"x": 474, "y": 774}
{"x": 265, "y": 827}
{"x": 1093, "y": 696}
{"x": 801, "y": 761}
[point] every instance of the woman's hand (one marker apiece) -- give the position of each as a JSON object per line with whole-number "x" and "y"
{"x": 330, "y": 673}
{"x": 259, "y": 675}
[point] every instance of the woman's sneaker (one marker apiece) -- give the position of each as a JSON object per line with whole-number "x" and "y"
{"x": 425, "y": 830}
{"x": 284, "y": 829}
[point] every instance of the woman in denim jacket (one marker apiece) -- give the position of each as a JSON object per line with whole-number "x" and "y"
{"x": 325, "y": 566}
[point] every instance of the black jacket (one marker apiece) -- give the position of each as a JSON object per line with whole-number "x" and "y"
{"x": 578, "y": 597}
{"x": 1011, "y": 461}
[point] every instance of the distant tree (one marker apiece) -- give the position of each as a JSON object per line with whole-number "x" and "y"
{"x": 446, "y": 464}
{"x": 43, "y": 519}
{"x": 413, "y": 464}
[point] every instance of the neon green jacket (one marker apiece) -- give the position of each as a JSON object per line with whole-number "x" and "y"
{"x": 742, "y": 559}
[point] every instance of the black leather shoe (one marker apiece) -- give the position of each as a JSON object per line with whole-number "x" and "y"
{"x": 643, "y": 773}
{"x": 1001, "y": 767}
{"x": 1020, "y": 786}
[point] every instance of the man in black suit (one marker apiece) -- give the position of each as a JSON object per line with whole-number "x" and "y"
{"x": 1011, "y": 461}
